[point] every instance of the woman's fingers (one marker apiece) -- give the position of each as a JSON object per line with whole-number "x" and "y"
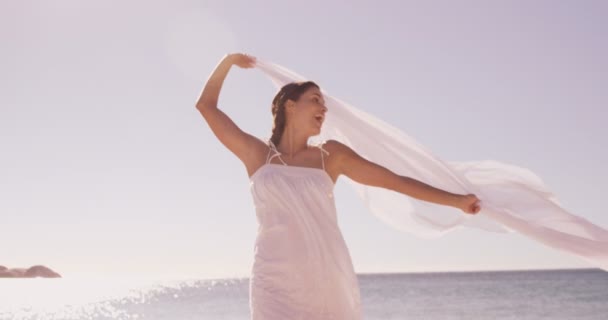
{"x": 476, "y": 207}
{"x": 472, "y": 204}
{"x": 243, "y": 60}
{"x": 252, "y": 61}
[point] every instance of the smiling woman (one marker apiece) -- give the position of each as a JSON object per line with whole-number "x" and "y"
{"x": 302, "y": 267}
{"x": 307, "y": 97}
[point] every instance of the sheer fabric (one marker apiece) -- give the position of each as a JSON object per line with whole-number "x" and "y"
{"x": 513, "y": 199}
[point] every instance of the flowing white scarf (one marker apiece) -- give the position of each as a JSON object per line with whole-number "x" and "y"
{"x": 513, "y": 199}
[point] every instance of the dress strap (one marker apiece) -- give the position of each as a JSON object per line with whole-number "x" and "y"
{"x": 272, "y": 147}
{"x": 278, "y": 154}
{"x": 268, "y": 156}
{"x": 322, "y": 152}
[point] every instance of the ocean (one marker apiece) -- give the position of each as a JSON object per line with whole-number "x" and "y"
{"x": 580, "y": 294}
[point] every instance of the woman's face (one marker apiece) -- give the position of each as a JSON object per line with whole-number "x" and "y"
{"x": 308, "y": 113}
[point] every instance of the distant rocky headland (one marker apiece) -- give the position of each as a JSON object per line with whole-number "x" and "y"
{"x": 32, "y": 272}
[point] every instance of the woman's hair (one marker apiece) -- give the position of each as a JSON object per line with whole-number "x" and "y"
{"x": 290, "y": 91}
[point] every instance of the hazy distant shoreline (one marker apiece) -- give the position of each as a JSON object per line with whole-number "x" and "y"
{"x": 31, "y": 272}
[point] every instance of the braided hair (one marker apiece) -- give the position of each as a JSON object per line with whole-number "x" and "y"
{"x": 291, "y": 91}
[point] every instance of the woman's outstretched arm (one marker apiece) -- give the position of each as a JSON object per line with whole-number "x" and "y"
{"x": 229, "y": 134}
{"x": 369, "y": 173}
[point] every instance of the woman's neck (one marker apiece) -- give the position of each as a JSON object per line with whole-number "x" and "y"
{"x": 292, "y": 144}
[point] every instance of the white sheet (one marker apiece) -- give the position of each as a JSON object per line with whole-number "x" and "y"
{"x": 513, "y": 199}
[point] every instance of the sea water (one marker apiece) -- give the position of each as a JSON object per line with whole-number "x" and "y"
{"x": 548, "y": 294}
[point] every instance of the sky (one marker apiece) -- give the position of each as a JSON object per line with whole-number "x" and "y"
{"x": 107, "y": 168}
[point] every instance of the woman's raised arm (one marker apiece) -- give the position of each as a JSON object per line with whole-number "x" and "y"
{"x": 230, "y": 135}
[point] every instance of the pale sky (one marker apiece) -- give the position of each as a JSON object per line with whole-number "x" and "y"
{"x": 106, "y": 166}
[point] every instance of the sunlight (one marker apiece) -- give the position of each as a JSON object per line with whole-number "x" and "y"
{"x": 195, "y": 39}
{"x": 27, "y": 297}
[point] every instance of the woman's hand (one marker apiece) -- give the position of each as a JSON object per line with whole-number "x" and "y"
{"x": 211, "y": 91}
{"x": 242, "y": 60}
{"x": 469, "y": 203}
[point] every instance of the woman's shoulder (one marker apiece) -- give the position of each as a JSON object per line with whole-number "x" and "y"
{"x": 331, "y": 143}
{"x": 334, "y": 147}
{"x": 342, "y": 151}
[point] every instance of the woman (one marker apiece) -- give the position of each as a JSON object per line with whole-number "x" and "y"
{"x": 302, "y": 268}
